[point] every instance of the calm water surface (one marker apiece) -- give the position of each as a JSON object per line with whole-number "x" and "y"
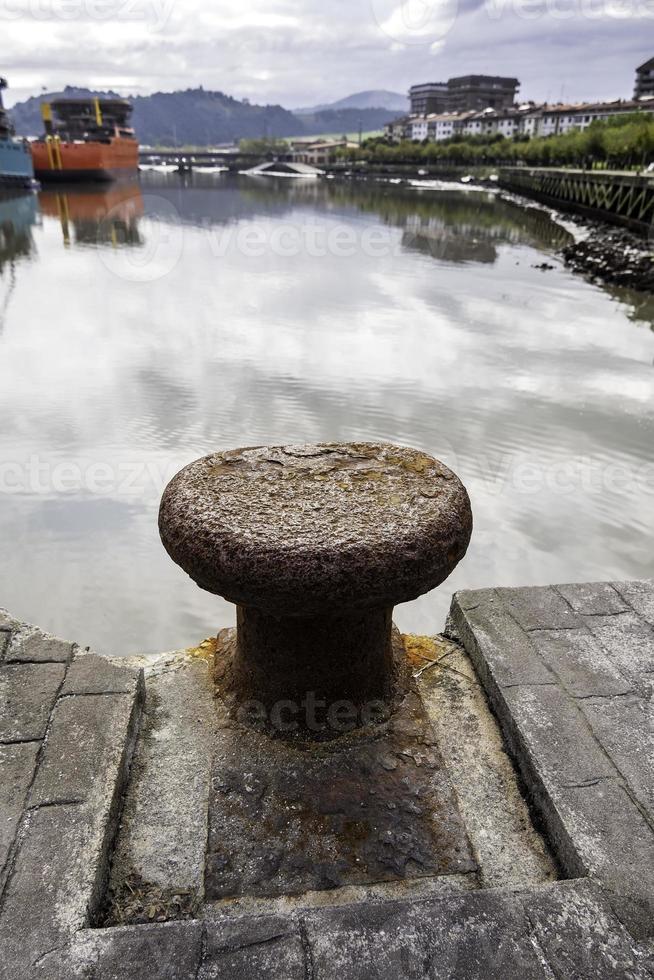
{"x": 143, "y": 327}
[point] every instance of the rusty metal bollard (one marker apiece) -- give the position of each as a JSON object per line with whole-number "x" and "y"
{"x": 315, "y": 544}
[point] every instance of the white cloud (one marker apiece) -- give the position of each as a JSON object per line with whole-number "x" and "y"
{"x": 298, "y": 53}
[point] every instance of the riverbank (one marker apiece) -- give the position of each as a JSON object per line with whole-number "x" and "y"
{"x": 613, "y": 255}
{"x": 602, "y": 252}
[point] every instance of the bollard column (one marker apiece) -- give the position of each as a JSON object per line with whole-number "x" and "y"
{"x": 315, "y": 544}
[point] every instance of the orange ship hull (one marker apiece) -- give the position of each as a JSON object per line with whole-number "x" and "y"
{"x": 58, "y": 160}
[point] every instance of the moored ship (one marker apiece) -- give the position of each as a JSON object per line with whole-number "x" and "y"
{"x": 86, "y": 139}
{"x": 15, "y": 158}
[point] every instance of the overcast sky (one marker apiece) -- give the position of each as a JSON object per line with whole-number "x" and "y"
{"x": 302, "y": 52}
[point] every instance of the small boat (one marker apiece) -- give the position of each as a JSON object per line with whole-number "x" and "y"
{"x": 468, "y": 179}
{"x": 86, "y": 139}
{"x": 15, "y": 158}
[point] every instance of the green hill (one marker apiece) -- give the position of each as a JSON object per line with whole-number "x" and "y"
{"x": 200, "y": 118}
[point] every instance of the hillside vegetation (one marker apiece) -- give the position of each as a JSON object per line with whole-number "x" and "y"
{"x": 202, "y": 118}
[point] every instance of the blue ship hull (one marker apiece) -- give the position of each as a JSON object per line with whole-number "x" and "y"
{"x": 16, "y": 168}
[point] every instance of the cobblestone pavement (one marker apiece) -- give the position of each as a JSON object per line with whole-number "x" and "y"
{"x": 567, "y": 670}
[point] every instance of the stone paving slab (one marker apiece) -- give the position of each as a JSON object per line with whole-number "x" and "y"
{"x": 629, "y": 640}
{"x": 168, "y": 951}
{"x": 17, "y": 768}
{"x": 27, "y": 695}
{"x": 55, "y": 880}
{"x": 640, "y": 596}
{"x": 593, "y": 598}
{"x": 554, "y": 736}
{"x": 267, "y": 948}
{"x": 580, "y": 729}
{"x": 89, "y": 674}
{"x": 540, "y": 608}
{"x": 63, "y": 767}
{"x": 583, "y": 668}
{"x": 511, "y": 656}
{"x": 84, "y": 759}
{"x": 625, "y": 729}
{"x": 31, "y": 645}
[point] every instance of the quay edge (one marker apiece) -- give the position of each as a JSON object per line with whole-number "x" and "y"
{"x": 567, "y": 671}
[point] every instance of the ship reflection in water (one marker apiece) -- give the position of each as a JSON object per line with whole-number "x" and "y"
{"x": 17, "y": 217}
{"x": 89, "y": 216}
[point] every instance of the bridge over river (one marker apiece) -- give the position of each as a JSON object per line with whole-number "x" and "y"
{"x": 230, "y": 158}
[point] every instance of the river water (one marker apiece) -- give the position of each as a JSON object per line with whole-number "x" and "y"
{"x": 144, "y": 326}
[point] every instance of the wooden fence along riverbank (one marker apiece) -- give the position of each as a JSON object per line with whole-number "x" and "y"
{"x": 621, "y": 198}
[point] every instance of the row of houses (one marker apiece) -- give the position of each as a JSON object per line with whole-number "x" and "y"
{"x": 524, "y": 120}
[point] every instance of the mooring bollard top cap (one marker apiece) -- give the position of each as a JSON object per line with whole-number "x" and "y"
{"x": 313, "y": 529}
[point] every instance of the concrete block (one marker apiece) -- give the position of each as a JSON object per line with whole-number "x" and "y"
{"x": 580, "y": 935}
{"x": 370, "y": 941}
{"x": 628, "y": 641}
{"x": 539, "y": 608}
{"x": 593, "y": 598}
{"x": 91, "y": 674}
{"x": 165, "y": 951}
{"x": 615, "y": 845}
{"x": 580, "y": 663}
{"x": 31, "y": 645}
{"x": 554, "y": 732}
{"x": 88, "y": 748}
{"x": 27, "y": 694}
{"x": 625, "y": 728}
{"x": 54, "y": 886}
{"x": 17, "y": 764}
{"x": 640, "y": 596}
{"x": 267, "y": 948}
{"x": 501, "y": 651}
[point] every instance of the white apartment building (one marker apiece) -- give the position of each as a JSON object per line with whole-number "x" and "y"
{"x": 560, "y": 119}
{"x": 419, "y": 128}
{"x": 469, "y": 124}
{"x": 441, "y": 127}
{"x": 525, "y": 120}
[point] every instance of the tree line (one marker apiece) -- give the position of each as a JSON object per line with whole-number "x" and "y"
{"x": 626, "y": 142}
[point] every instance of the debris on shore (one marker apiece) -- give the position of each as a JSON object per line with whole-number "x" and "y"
{"x": 613, "y": 255}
